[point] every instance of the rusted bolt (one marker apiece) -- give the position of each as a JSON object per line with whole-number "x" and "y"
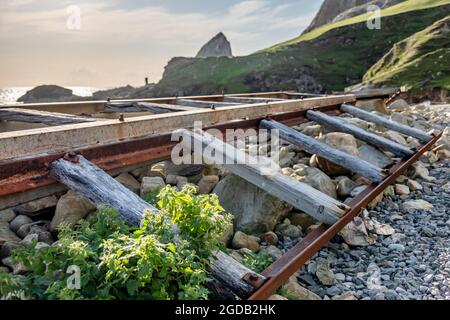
{"x": 108, "y": 99}
{"x": 121, "y": 118}
{"x": 71, "y": 157}
{"x": 213, "y": 107}
{"x": 253, "y": 280}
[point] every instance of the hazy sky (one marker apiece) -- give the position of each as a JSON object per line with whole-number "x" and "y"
{"x": 121, "y": 42}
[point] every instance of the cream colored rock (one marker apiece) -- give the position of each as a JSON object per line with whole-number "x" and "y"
{"x": 414, "y": 185}
{"x": 129, "y": 182}
{"x": 71, "y": 208}
{"x": 294, "y": 291}
{"x": 276, "y": 297}
{"x": 7, "y": 215}
{"x": 33, "y": 207}
{"x": 395, "y": 136}
{"x": 373, "y": 105}
{"x": 316, "y": 179}
{"x": 417, "y": 205}
{"x": 323, "y": 272}
{"x": 355, "y": 234}
{"x": 151, "y": 185}
{"x": 207, "y": 184}
{"x": 6, "y": 235}
{"x": 343, "y": 142}
{"x": 399, "y": 105}
{"x": 401, "y": 189}
{"x": 242, "y": 240}
{"x": 345, "y": 296}
{"x": 270, "y": 238}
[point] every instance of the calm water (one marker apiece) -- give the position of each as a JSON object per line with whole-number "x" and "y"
{"x": 11, "y": 94}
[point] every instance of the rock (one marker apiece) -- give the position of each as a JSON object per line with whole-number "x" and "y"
{"x": 71, "y": 208}
{"x": 355, "y": 234}
{"x": 443, "y": 154}
{"x": 16, "y": 267}
{"x": 289, "y": 230}
{"x": 401, "y": 189}
{"x": 7, "y": 215}
{"x": 446, "y": 187}
{"x": 171, "y": 179}
{"x": 395, "y": 136}
{"x": 358, "y": 190}
{"x": 399, "y": 105}
{"x": 396, "y": 247}
{"x": 116, "y": 93}
{"x": 128, "y": 181}
{"x": 341, "y": 141}
{"x": 378, "y": 105}
{"x": 374, "y": 156}
{"x": 345, "y": 186}
{"x": 181, "y": 182}
{"x": 379, "y": 228}
{"x": 6, "y": 235}
{"x": 345, "y": 296}
{"x": 270, "y": 238}
{"x": 207, "y": 184}
{"x": 324, "y": 273}
{"x": 218, "y": 46}
{"x": 151, "y": 185}
{"x": 316, "y": 179}
{"x": 398, "y": 117}
{"x": 276, "y": 297}
{"x": 412, "y": 205}
{"x": 8, "y": 248}
{"x": 242, "y": 240}
{"x": 302, "y": 220}
{"x": 48, "y": 93}
{"x": 274, "y": 252}
{"x": 414, "y": 185}
{"x": 42, "y": 233}
{"x": 19, "y": 221}
{"x": 30, "y": 238}
{"x": 418, "y": 170}
{"x": 293, "y": 291}
{"x": 312, "y": 130}
{"x": 33, "y": 207}
{"x": 159, "y": 169}
{"x": 214, "y": 170}
{"x": 254, "y": 210}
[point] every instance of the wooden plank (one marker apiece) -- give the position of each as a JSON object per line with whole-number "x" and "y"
{"x": 35, "y": 116}
{"x": 87, "y": 179}
{"x": 313, "y": 146}
{"x": 54, "y": 139}
{"x": 243, "y": 100}
{"x": 156, "y": 108}
{"x": 204, "y": 104}
{"x": 392, "y": 125}
{"x": 269, "y": 178}
{"x": 341, "y": 125}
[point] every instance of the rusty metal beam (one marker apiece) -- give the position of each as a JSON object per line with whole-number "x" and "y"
{"x": 27, "y": 173}
{"x": 280, "y": 271}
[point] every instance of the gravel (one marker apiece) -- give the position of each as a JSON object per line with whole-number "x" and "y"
{"x": 412, "y": 264}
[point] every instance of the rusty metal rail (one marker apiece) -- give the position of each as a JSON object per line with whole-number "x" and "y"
{"x": 280, "y": 271}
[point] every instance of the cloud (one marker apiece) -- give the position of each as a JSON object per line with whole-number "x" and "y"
{"x": 130, "y": 40}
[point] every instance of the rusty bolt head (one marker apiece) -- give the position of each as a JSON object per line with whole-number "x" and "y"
{"x": 72, "y": 157}
{"x": 121, "y": 118}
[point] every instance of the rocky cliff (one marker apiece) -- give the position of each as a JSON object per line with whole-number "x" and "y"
{"x": 219, "y": 46}
{"x": 330, "y": 9}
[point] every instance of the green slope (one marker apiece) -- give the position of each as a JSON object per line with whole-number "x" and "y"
{"x": 419, "y": 62}
{"x": 330, "y": 62}
{"x": 407, "y": 6}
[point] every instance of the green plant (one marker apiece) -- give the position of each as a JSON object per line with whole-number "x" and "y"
{"x": 117, "y": 261}
{"x": 257, "y": 262}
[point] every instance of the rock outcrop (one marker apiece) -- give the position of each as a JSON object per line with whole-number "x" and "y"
{"x": 330, "y": 9}
{"x": 219, "y": 46}
{"x": 48, "y": 93}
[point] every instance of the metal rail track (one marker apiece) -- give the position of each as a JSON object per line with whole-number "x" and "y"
{"x": 29, "y": 173}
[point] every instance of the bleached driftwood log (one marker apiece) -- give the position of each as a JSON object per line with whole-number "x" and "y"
{"x": 84, "y": 177}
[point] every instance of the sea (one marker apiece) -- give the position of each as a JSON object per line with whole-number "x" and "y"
{"x": 9, "y": 95}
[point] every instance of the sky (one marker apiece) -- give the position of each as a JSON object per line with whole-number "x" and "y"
{"x": 106, "y": 43}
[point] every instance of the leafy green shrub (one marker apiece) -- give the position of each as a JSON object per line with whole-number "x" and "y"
{"x": 122, "y": 262}
{"x": 257, "y": 262}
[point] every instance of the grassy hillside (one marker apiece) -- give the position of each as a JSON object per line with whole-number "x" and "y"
{"x": 407, "y": 6}
{"x": 420, "y": 61}
{"x": 330, "y": 62}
